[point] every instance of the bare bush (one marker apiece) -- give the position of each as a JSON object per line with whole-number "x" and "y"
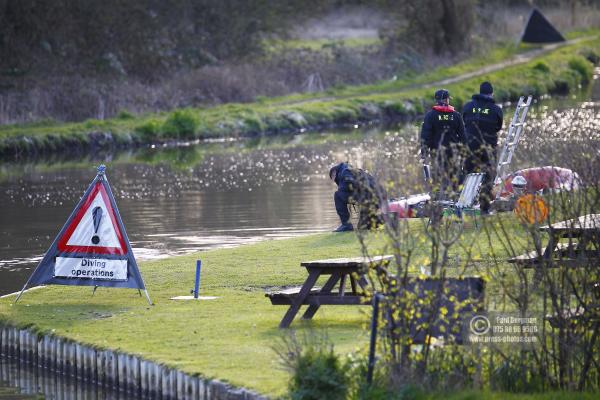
{"x": 560, "y": 288}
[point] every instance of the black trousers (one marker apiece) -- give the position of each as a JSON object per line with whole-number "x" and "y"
{"x": 483, "y": 159}
{"x": 341, "y": 199}
{"x": 446, "y": 173}
{"x": 367, "y": 210}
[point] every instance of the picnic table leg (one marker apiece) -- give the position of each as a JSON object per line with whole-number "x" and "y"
{"x": 329, "y": 285}
{"x": 342, "y": 286}
{"x": 299, "y": 299}
{"x": 353, "y": 284}
{"x": 552, "y": 242}
{"x": 551, "y": 246}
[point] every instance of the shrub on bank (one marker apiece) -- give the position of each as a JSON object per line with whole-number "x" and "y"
{"x": 149, "y": 130}
{"x": 559, "y": 72}
{"x": 317, "y": 373}
{"x": 181, "y": 124}
{"x": 125, "y": 114}
{"x": 583, "y": 67}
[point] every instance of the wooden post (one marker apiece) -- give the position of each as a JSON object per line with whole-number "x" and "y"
{"x": 180, "y": 377}
{"x": 156, "y": 387}
{"x": 166, "y": 382}
{"x": 101, "y": 370}
{"x": 144, "y": 375}
{"x": 134, "y": 374}
{"x": 4, "y": 347}
{"x": 203, "y": 392}
{"x": 60, "y": 357}
{"x": 122, "y": 372}
{"x": 48, "y": 359}
{"x": 112, "y": 372}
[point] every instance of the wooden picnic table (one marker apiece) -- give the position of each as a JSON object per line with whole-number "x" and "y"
{"x": 582, "y": 232}
{"x": 339, "y": 270}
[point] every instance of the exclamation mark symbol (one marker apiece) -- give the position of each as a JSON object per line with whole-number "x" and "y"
{"x": 97, "y": 216}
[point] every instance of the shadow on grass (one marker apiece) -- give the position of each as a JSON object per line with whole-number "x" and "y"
{"x": 63, "y": 313}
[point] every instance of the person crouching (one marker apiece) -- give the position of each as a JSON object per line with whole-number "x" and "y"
{"x": 358, "y": 187}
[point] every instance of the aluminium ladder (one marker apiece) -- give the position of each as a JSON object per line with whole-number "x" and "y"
{"x": 510, "y": 143}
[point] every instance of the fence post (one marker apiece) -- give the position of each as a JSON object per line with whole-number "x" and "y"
{"x": 197, "y": 284}
{"x": 371, "y": 366}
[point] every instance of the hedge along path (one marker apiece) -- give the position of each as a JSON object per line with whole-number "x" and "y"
{"x": 517, "y": 59}
{"x": 549, "y": 70}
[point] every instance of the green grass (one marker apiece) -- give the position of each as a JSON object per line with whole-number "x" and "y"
{"x": 560, "y": 71}
{"x": 229, "y": 338}
{"x": 274, "y": 46}
{"x": 232, "y": 338}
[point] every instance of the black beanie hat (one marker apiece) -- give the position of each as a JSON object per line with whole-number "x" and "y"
{"x": 441, "y": 94}
{"x": 486, "y": 88}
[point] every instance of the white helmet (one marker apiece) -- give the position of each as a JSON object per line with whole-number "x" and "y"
{"x": 519, "y": 183}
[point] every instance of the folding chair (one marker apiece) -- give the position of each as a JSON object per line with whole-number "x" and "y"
{"x": 468, "y": 194}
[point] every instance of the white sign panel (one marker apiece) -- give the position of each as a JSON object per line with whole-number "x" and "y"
{"x": 94, "y": 268}
{"x": 95, "y": 225}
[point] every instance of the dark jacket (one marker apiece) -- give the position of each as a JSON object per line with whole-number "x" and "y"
{"x": 483, "y": 121}
{"x": 442, "y": 127}
{"x": 344, "y": 177}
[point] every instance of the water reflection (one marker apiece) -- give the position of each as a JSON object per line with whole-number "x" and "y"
{"x": 197, "y": 197}
{"x": 21, "y": 380}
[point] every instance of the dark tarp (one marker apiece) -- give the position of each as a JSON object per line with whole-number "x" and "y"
{"x": 540, "y": 30}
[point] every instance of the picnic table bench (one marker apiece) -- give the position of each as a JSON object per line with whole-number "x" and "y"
{"x": 582, "y": 250}
{"x": 339, "y": 270}
{"x": 582, "y": 232}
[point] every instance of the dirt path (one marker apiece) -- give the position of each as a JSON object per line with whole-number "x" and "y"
{"x": 516, "y": 60}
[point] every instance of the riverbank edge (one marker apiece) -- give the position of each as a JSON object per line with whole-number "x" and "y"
{"x": 558, "y": 72}
{"x": 125, "y": 372}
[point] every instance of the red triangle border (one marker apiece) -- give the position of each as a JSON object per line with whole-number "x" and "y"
{"x": 62, "y": 242}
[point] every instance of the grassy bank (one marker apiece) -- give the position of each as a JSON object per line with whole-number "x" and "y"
{"x": 230, "y": 338}
{"x": 559, "y": 71}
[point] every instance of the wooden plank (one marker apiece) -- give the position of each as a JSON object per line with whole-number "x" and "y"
{"x": 565, "y": 263}
{"x": 589, "y": 222}
{"x": 534, "y": 257}
{"x": 351, "y": 262}
{"x": 290, "y": 292}
{"x": 281, "y": 301}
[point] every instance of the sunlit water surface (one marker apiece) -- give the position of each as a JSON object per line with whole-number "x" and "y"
{"x": 177, "y": 200}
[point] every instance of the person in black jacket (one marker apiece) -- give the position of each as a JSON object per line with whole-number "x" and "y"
{"x": 442, "y": 140}
{"x": 358, "y": 187}
{"x": 483, "y": 120}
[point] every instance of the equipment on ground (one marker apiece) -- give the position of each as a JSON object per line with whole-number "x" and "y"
{"x": 470, "y": 191}
{"x": 548, "y": 178}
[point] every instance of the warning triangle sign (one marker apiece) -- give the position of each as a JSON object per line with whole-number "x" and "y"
{"x": 94, "y": 229}
{"x": 92, "y": 248}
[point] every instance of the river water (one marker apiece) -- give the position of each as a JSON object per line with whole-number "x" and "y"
{"x": 176, "y": 200}
{"x": 186, "y": 198}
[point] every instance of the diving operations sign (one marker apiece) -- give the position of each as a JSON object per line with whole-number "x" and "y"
{"x": 103, "y": 269}
{"x": 92, "y": 248}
